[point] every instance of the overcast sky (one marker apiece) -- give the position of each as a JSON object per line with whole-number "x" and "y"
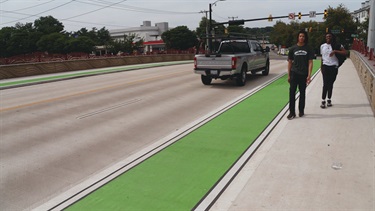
{"x": 118, "y": 14}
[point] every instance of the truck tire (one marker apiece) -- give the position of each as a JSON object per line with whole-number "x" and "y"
{"x": 241, "y": 78}
{"x": 267, "y": 68}
{"x": 206, "y": 80}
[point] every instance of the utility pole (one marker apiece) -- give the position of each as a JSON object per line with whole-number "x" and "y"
{"x": 207, "y": 31}
{"x": 371, "y": 26}
{"x": 210, "y": 26}
{"x": 209, "y": 35}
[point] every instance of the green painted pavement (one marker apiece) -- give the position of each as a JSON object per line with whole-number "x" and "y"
{"x": 88, "y": 73}
{"x": 178, "y": 177}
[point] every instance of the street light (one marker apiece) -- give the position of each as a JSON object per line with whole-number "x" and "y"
{"x": 210, "y": 25}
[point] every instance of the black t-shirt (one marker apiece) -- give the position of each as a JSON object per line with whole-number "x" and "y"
{"x": 300, "y": 55}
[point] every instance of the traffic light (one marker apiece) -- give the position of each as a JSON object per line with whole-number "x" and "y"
{"x": 325, "y": 13}
{"x": 342, "y": 31}
{"x": 236, "y": 22}
{"x": 299, "y": 15}
{"x": 270, "y": 18}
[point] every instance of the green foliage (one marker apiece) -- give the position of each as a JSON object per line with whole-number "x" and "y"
{"x": 236, "y": 29}
{"x": 53, "y": 43}
{"x": 47, "y": 34}
{"x": 363, "y": 30}
{"x": 337, "y": 19}
{"x": 340, "y": 19}
{"x": 80, "y": 44}
{"x": 259, "y": 33}
{"x": 201, "y": 31}
{"x": 180, "y": 38}
{"x": 125, "y": 45}
{"x": 48, "y": 25}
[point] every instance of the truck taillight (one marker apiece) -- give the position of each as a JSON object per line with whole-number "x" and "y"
{"x": 234, "y": 62}
{"x": 195, "y": 62}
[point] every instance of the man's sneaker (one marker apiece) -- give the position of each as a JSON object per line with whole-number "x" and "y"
{"x": 301, "y": 114}
{"x": 291, "y": 116}
{"x": 329, "y": 103}
{"x": 323, "y": 105}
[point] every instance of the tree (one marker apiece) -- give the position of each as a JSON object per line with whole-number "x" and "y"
{"x": 180, "y": 38}
{"x": 341, "y": 20}
{"x": 282, "y": 34}
{"x": 48, "y": 25}
{"x": 103, "y": 36}
{"x": 53, "y": 43}
{"x": 259, "y": 33}
{"x": 236, "y": 29}
{"x": 20, "y": 39}
{"x": 99, "y": 37}
{"x": 126, "y": 45}
{"x": 5, "y": 40}
{"x": 201, "y": 30}
{"x": 363, "y": 30}
{"x": 80, "y": 44}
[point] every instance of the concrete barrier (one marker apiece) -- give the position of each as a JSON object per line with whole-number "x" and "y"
{"x": 31, "y": 69}
{"x": 366, "y": 76}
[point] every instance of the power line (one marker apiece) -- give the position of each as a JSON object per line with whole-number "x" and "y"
{"x": 93, "y": 10}
{"x": 31, "y": 6}
{"x": 137, "y": 9}
{"x": 37, "y": 13}
{"x": 68, "y": 20}
{"x": 101, "y": 4}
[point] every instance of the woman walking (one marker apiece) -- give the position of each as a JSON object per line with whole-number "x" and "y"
{"x": 300, "y": 65}
{"x": 329, "y": 66}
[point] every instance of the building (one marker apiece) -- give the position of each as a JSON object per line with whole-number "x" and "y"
{"x": 367, "y": 11}
{"x": 363, "y": 13}
{"x": 151, "y": 35}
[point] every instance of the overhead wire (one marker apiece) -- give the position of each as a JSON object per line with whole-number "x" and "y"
{"x": 136, "y": 9}
{"x": 37, "y": 13}
{"x": 31, "y": 6}
{"x": 101, "y": 4}
{"x": 93, "y": 10}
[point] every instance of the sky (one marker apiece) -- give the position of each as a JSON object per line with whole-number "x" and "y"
{"x": 122, "y": 14}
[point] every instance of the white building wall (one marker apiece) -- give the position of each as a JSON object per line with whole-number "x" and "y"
{"x": 363, "y": 13}
{"x": 145, "y": 31}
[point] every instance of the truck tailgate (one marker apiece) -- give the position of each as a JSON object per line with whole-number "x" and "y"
{"x": 213, "y": 62}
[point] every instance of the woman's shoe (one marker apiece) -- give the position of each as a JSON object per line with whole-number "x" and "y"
{"x": 329, "y": 103}
{"x": 323, "y": 105}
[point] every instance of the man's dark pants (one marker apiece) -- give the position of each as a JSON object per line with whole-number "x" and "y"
{"x": 299, "y": 81}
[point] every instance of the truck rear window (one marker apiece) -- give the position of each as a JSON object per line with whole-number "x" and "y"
{"x": 234, "y": 47}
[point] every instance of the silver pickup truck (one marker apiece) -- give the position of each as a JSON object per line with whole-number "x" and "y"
{"x": 233, "y": 60}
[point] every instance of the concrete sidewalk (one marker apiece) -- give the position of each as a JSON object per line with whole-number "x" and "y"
{"x": 322, "y": 161}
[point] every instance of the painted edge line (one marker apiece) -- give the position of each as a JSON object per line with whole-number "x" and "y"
{"x": 217, "y": 190}
{"x": 93, "y": 183}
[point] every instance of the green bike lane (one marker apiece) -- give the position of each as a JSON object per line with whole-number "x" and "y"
{"x": 181, "y": 175}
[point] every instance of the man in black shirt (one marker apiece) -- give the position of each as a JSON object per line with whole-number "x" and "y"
{"x": 300, "y": 65}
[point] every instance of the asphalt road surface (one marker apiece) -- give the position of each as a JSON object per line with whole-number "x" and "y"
{"x": 54, "y": 136}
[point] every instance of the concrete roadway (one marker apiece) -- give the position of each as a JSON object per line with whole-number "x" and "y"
{"x": 56, "y": 135}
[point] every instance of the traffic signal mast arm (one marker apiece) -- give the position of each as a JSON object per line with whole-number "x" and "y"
{"x": 239, "y": 22}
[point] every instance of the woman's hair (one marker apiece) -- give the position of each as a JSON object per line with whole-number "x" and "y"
{"x": 306, "y": 36}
